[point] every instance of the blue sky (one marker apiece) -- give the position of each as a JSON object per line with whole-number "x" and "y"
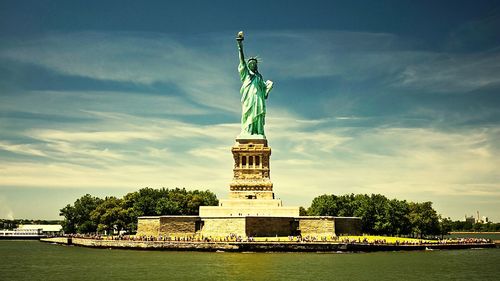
{"x": 393, "y": 97}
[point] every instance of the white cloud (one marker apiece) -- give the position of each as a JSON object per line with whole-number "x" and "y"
{"x": 27, "y": 149}
{"x": 159, "y": 153}
{"x": 97, "y": 136}
{"x": 5, "y": 210}
{"x": 212, "y": 153}
{"x": 451, "y": 72}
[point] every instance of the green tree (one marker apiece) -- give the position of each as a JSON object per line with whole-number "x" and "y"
{"x": 380, "y": 215}
{"x": 197, "y": 198}
{"x": 347, "y": 205}
{"x": 424, "y": 219}
{"x": 477, "y": 227}
{"x": 91, "y": 214}
{"x": 365, "y": 211}
{"x": 461, "y": 226}
{"x": 83, "y": 207}
{"x": 399, "y": 217}
{"x": 77, "y": 217}
{"x": 380, "y": 210}
{"x": 164, "y": 201}
{"x": 69, "y": 222}
{"x": 324, "y": 205}
{"x": 302, "y": 211}
{"x": 145, "y": 203}
{"x": 109, "y": 215}
{"x": 165, "y": 206}
{"x": 139, "y": 203}
{"x": 445, "y": 226}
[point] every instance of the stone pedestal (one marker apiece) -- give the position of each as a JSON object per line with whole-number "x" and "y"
{"x": 251, "y": 172}
{"x": 251, "y": 190}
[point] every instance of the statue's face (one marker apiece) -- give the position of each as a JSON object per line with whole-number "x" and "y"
{"x": 252, "y": 65}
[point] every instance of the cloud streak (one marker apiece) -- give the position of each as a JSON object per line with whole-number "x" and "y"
{"x": 135, "y": 58}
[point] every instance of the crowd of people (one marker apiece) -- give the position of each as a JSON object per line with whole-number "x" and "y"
{"x": 296, "y": 239}
{"x": 415, "y": 242}
{"x": 163, "y": 238}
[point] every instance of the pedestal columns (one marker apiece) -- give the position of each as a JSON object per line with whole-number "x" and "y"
{"x": 251, "y": 178}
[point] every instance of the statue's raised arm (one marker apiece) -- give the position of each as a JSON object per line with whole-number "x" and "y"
{"x": 254, "y": 91}
{"x": 239, "y": 40}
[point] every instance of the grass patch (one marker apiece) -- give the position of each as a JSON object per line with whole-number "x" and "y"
{"x": 369, "y": 238}
{"x": 388, "y": 239}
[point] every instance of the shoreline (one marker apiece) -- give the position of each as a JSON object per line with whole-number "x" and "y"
{"x": 474, "y": 232}
{"x": 256, "y": 246}
{"x": 35, "y": 237}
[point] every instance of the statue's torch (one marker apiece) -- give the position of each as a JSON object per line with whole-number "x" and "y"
{"x": 240, "y": 37}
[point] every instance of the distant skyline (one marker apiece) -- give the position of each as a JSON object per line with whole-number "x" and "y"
{"x": 400, "y": 98}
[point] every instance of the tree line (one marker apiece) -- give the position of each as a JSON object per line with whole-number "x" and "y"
{"x": 11, "y": 224}
{"x": 384, "y": 216}
{"x": 449, "y": 225}
{"x": 90, "y": 214}
{"x": 380, "y": 215}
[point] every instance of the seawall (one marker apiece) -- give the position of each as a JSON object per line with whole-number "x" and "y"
{"x": 57, "y": 240}
{"x": 257, "y": 246}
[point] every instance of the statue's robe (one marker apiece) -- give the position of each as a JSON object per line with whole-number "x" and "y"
{"x": 254, "y": 92}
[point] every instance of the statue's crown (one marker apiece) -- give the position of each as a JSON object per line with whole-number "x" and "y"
{"x": 256, "y": 58}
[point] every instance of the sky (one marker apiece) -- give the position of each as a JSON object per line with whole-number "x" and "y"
{"x": 400, "y": 98}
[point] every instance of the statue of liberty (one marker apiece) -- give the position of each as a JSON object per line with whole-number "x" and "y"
{"x": 254, "y": 91}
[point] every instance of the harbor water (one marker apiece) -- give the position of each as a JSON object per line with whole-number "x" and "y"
{"x": 33, "y": 260}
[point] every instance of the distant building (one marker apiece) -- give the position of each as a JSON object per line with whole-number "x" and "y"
{"x": 470, "y": 219}
{"x": 45, "y": 229}
{"x": 21, "y": 232}
{"x": 477, "y": 219}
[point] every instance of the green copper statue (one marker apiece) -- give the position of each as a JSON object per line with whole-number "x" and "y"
{"x": 254, "y": 91}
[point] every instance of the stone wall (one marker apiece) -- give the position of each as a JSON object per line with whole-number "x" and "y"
{"x": 257, "y": 226}
{"x": 179, "y": 226}
{"x": 218, "y": 211}
{"x": 219, "y": 227}
{"x": 259, "y": 195}
{"x": 265, "y": 246}
{"x": 348, "y": 226}
{"x": 148, "y": 226}
{"x": 245, "y": 203}
{"x": 269, "y": 226}
{"x": 317, "y": 226}
{"x": 57, "y": 240}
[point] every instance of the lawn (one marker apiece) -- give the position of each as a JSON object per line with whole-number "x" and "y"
{"x": 369, "y": 238}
